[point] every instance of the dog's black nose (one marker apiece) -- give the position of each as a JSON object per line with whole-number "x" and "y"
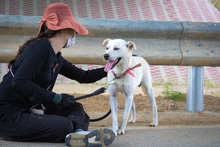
{"x": 106, "y": 56}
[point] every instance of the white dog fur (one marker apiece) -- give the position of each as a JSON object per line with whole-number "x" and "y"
{"x": 116, "y": 49}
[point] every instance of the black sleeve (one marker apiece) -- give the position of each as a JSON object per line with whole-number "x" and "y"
{"x": 89, "y": 76}
{"x": 34, "y": 60}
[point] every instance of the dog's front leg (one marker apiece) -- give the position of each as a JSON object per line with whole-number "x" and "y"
{"x": 114, "y": 107}
{"x": 128, "y": 103}
{"x": 133, "y": 113}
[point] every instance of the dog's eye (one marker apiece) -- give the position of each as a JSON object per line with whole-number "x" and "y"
{"x": 106, "y": 48}
{"x": 116, "y": 48}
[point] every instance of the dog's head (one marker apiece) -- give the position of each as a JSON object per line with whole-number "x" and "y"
{"x": 116, "y": 51}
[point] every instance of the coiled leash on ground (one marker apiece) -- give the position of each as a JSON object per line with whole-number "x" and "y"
{"x": 97, "y": 92}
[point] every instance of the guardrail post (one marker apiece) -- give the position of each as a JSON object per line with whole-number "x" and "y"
{"x": 195, "y": 96}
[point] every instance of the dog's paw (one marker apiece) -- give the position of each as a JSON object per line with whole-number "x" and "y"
{"x": 153, "y": 124}
{"x": 132, "y": 121}
{"x": 116, "y": 133}
{"x": 121, "y": 132}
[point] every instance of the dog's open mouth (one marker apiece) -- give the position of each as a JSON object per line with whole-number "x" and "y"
{"x": 111, "y": 64}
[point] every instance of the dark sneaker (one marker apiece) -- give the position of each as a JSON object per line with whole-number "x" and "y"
{"x": 96, "y": 138}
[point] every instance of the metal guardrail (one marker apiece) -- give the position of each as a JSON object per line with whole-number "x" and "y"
{"x": 159, "y": 42}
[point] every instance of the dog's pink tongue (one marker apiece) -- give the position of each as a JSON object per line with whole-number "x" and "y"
{"x": 108, "y": 66}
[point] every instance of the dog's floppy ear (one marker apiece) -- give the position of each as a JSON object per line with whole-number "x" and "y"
{"x": 105, "y": 42}
{"x": 131, "y": 45}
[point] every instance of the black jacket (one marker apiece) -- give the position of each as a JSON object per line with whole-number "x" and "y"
{"x": 35, "y": 73}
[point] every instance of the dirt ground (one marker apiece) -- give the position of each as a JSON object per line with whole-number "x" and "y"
{"x": 170, "y": 112}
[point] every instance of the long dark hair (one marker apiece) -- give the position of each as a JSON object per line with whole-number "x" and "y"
{"x": 45, "y": 33}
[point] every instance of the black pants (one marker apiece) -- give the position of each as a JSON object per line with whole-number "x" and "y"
{"x": 53, "y": 126}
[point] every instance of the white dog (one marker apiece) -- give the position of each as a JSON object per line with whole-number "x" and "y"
{"x": 129, "y": 73}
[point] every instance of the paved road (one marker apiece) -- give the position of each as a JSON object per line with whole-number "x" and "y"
{"x": 202, "y": 136}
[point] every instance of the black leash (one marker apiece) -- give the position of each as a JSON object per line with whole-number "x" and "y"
{"x": 97, "y": 92}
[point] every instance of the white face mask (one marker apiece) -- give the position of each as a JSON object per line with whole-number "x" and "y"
{"x": 70, "y": 41}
